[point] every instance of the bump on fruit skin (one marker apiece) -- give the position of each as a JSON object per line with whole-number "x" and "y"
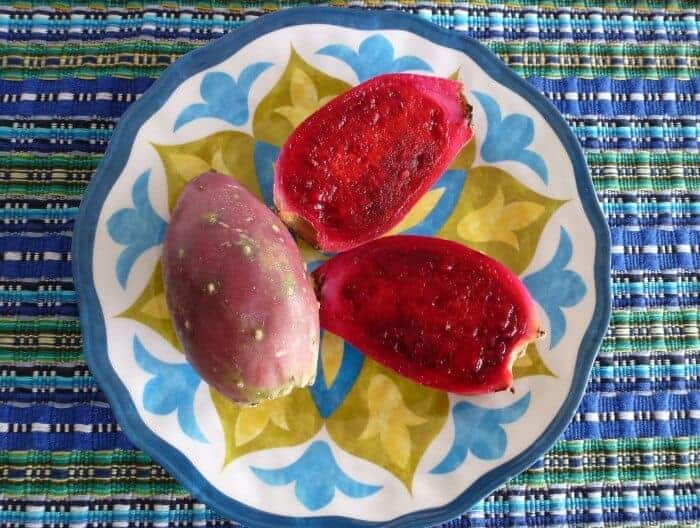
{"x": 353, "y": 169}
{"x": 241, "y": 302}
{"x": 433, "y": 310}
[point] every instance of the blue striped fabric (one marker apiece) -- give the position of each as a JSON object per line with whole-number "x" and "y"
{"x": 485, "y": 22}
{"x": 631, "y": 456}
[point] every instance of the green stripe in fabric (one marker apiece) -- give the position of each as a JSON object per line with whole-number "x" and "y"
{"x": 639, "y": 158}
{"x": 655, "y": 316}
{"x": 37, "y": 340}
{"x": 161, "y": 486}
{"x": 630, "y": 332}
{"x": 52, "y": 162}
{"x": 75, "y": 458}
{"x": 644, "y": 170}
{"x": 652, "y": 329}
{"x": 39, "y": 326}
{"x": 592, "y": 454}
{"x": 48, "y": 357}
{"x": 76, "y": 53}
{"x": 75, "y": 190}
{"x": 165, "y": 485}
{"x": 563, "y": 448}
{"x": 22, "y": 174}
{"x": 59, "y": 190}
{"x": 148, "y": 58}
{"x": 628, "y": 335}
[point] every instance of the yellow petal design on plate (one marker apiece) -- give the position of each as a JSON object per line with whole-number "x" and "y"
{"x": 466, "y": 156}
{"x": 302, "y": 90}
{"x": 150, "y": 309}
{"x": 283, "y": 422}
{"x": 331, "y": 356}
{"x": 298, "y": 92}
{"x": 218, "y": 163}
{"x": 389, "y": 418}
{"x": 186, "y": 166}
{"x": 294, "y": 114}
{"x": 252, "y": 421}
{"x": 497, "y": 221}
{"x": 156, "y": 307}
{"x": 304, "y": 96}
{"x": 237, "y": 156}
{"x": 530, "y": 364}
{"x": 226, "y": 152}
{"x": 500, "y": 216}
{"x": 419, "y": 211}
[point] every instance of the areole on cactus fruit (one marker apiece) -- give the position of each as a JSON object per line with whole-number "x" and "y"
{"x": 353, "y": 169}
{"x": 242, "y": 304}
{"x": 433, "y": 310}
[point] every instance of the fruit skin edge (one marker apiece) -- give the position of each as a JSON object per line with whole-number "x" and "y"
{"x": 94, "y": 334}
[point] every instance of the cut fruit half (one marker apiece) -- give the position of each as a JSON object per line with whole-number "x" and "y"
{"x": 353, "y": 169}
{"x": 433, "y": 310}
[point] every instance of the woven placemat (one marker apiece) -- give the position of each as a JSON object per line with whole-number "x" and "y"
{"x": 625, "y": 74}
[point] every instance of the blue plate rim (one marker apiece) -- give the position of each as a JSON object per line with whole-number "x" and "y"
{"x": 118, "y": 150}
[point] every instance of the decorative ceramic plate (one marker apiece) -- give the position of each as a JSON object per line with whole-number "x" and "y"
{"x": 362, "y": 446}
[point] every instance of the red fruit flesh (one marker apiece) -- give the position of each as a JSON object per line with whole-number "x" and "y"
{"x": 353, "y": 169}
{"x": 434, "y": 311}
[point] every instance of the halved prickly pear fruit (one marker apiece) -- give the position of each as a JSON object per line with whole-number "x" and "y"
{"x": 433, "y": 310}
{"x": 241, "y": 301}
{"x": 353, "y": 169}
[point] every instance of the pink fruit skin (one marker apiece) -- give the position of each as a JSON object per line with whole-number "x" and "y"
{"x": 241, "y": 301}
{"x": 433, "y": 310}
{"x": 353, "y": 169}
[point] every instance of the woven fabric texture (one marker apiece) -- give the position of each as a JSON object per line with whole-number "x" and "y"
{"x": 626, "y": 75}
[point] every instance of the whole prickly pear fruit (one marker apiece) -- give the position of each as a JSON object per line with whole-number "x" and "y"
{"x": 353, "y": 169}
{"x": 433, "y": 310}
{"x": 241, "y": 301}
